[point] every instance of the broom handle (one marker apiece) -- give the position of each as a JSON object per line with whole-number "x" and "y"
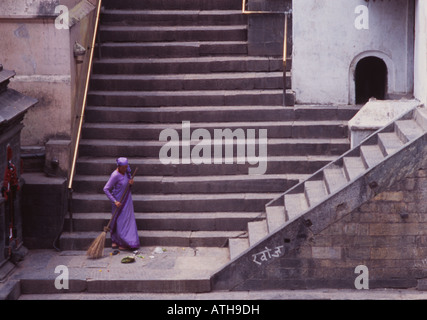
{"x": 123, "y": 196}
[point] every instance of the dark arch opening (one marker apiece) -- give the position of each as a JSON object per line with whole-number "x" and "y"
{"x": 371, "y": 79}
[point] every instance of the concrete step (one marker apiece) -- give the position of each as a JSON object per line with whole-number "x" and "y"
{"x": 240, "y": 202}
{"x": 237, "y": 246}
{"x": 328, "y": 196}
{"x": 148, "y": 166}
{"x": 187, "y": 65}
{"x": 275, "y": 129}
{"x": 173, "y": 17}
{"x": 421, "y": 118}
{"x": 82, "y": 240}
{"x": 315, "y": 191}
{"x": 321, "y": 113}
{"x": 276, "y": 217}
{"x": 353, "y": 167}
{"x": 175, "y": 33}
{"x": 177, "y": 114}
{"x": 408, "y": 130}
{"x": 176, "y": 270}
{"x": 256, "y": 231}
{"x": 173, "y": 49}
{"x": 191, "y": 82}
{"x": 194, "y": 184}
{"x": 174, "y": 5}
{"x": 276, "y": 147}
{"x": 187, "y": 98}
{"x": 371, "y": 155}
{"x": 168, "y": 221}
{"x": 334, "y": 178}
{"x": 295, "y": 203}
{"x": 389, "y": 142}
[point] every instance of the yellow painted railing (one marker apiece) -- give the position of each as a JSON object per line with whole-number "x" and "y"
{"x": 80, "y": 114}
{"x": 285, "y": 28}
{"x": 86, "y": 88}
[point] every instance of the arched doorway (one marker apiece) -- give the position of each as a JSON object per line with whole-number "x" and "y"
{"x": 370, "y": 79}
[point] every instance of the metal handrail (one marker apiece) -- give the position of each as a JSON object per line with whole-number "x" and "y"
{"x": 86, "y": 89}
{"x": 285, "y": 30}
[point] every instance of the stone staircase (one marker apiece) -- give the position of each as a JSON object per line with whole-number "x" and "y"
{"x": 383, "y": 158}
{"x": 159, "y": 66}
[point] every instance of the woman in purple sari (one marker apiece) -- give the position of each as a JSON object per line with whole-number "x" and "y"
{"x": 124, "y": 233}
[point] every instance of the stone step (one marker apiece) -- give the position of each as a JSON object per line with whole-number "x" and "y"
{"x": 376, "y": 160}
{"x": 148, "y": 166}
{"x": 256, "y": 231}
{"x": 295, "y": 204}
{"x": 276, "y": 147}
{"x": 389, "y": 142}
{"x": 177, "y": 114}
{"x": 275, "y": 217}
{"x": 408, "y": 130}
{"x": 173, "y": 17}
{"x": 187, "y": 65}
{"x": 188, "y": 98}
{"x": 168, "y": 221}
{"x": 371, "y": 155}
{"x": 240, "y": 202}
{"x": 176, "y": 270}
{"x": 191, "y": 82}
{"x": 174, "y": 33}
{"x": 172, "y": 49}
{"x": 334, "y": 178}
{"x": 315, "y": 191}
{"x": 421, "y": 118}
{"x": 275, "y": 129}
{"x": 82, "y": 240}
{"x": 353, "y": 167}
{"x": 237, "y": 246}
{"x": 174, "y": 5}
{"x": 194, "y": 184}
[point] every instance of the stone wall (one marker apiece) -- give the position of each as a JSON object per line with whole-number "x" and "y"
{"x": 388, "y": 235}
{"x": 42, "y": 54}
{"x": 266, "y": 29}
{"x": 420, "y": 59}
{"x": 328, "y": 46}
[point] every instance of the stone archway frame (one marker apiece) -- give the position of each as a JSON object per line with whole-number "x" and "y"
{"x": 391, "y": 72}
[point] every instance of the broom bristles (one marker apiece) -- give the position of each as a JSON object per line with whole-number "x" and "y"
{"x": 96, "y": 249}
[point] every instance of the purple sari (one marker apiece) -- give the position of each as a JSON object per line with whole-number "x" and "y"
{"x": 123, "y": 227}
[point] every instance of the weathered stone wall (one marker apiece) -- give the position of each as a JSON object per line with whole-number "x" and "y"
{"x": 420, "y": 59}
{"x": 42, "y": 55}
{"x": 266, "y": 30}
{"x": 388, "y": 235}
{"x": 328, "y": 46}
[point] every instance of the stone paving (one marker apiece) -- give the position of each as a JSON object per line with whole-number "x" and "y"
{"x": 173, "y": 263}
{"x": 156, "y": 269}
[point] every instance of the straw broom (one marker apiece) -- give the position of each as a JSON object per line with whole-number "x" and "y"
{"x": 96, "y": 249}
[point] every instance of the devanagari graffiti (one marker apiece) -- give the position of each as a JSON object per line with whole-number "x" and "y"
{"x": 267, "y": 254}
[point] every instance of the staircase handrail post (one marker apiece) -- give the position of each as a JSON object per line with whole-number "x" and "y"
{"x": 83, "y": 108}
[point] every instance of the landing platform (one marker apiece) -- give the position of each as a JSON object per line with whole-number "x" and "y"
{"x": 174, "y": 270}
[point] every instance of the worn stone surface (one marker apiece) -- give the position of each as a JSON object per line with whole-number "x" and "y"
{"x": 44, "y": 204}
{"x": 387, "y": 234}
{"x": 169, "y": 270}
{"x": 376, "y": 220}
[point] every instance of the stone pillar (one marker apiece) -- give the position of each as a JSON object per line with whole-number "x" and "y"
{"x": 13, "y": 106}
